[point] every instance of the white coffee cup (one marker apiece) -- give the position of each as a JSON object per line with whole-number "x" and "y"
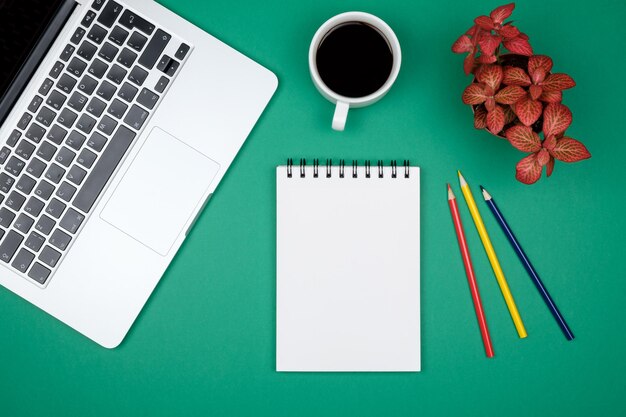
{"x": 343, "y": 103}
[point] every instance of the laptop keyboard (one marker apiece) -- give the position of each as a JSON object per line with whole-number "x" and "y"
{"x": 98, "y": 95}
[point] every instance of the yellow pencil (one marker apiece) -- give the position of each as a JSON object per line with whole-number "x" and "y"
{"x": 493, "y": 259}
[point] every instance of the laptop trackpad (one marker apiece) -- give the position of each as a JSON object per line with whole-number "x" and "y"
{"x": 158, "y": 194}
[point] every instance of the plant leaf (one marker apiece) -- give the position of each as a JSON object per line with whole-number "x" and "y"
{"x": 488, "y": 43}
{"x": 474, "y": 94}
{"x": 515, "y": 76}
{"x": 570, "y": 150}
{"x": 556, "y": 118}
{"x": 484, "y": 22}
{"x": 558, "y": 82}
{"x": 480, "y": 117}
{"x": 539, "y": 61}
{"x": 500, "y": 13}
{"x": 495, "y": 120}
{"x": 523, "y": 138}
{"x": 463, "y": 44}
{"x": 550, "y": 166}
{"x": 508, "y": 31}
{"x": 551, "y": 96}
{"x": 519, "y": 45}
{"x": 549, "y": 143}
{"x": 490, "y": 103}
{"x": 468, "y": 63}
{"x": 510, "y": 94}
{"x": 543, "y": 157}
{"x": 487, "y": 59}
{"x": 528, "y": 169}
{"x": 528, "y": 110}
{"x": 491, "y": 75}
{"x": 535, "y": 91}
{"x": 509, "y": 115}
{"x": 538, "y": 75}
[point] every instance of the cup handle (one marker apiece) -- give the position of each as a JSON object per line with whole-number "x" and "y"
{"x": 340, "y": 116}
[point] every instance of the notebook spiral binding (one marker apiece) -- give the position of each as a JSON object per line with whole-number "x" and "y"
{"x": 342, "y": 167}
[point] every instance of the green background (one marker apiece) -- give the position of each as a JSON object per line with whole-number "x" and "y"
{"x": 204, "y": 344}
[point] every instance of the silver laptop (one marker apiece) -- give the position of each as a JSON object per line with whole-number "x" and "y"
{"x": 119, "y": 119}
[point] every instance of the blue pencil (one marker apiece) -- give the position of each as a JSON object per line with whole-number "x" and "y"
{"x": 529, "y": 267}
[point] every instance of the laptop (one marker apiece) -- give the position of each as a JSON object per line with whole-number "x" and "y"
{"x": 118, "y": 121}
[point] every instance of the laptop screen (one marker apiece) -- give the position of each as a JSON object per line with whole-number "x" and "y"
{"x": 22, "y": 23}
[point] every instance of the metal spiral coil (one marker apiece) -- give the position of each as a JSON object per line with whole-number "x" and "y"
{"x": 342, "y": 165}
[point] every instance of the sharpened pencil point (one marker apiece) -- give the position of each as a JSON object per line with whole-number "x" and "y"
{"x": 450, "y": 193}
{"x": 461, "y": 179}
{"x": 486, "y": 195}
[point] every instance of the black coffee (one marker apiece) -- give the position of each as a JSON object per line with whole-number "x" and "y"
{"x": 354, "y": 59}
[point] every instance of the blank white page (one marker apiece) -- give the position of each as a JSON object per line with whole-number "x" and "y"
{"x": 348, "y": 271}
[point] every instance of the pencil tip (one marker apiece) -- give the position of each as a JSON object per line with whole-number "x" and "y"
{"x": 461, "y": 179}
{"x": 486, "y": 195}
{"x": 482, "y": 188}
{"x": 450, "y": 193}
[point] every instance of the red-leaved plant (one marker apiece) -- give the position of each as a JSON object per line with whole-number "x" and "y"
{"x": 515, "y": 95}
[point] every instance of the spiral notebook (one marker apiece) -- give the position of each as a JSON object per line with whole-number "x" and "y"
{"x": 348, "y": 267}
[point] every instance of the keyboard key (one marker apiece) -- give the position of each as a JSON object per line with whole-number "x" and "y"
{"x": 45, "y": 225}
{"x": 56, "y": 100}
{"x": 6, "y": 217}
{"x": 118, "y": 35}
{"x": 182, "y": 51}
{"x": 35, "y": 133}
{"x": 89, "y": 17}
{"x": 25, "y": 184}
{"x": 97, "y": 4}
{"x": 9, "y": 245}
{"x": 154, "y": 48}
{"x": 22, "y": 260}
{"x": 98, "y": 68}
{"x": 46, "y": 151}
{"x": 56, "y": 70}
{"x": 107, "y": 125}
{"x": 130, "y": 20}
{"x": 106, "y": 90}
{"x": 147, "y": 98}
{"x": 34, "y": 241}
{"x": 66, "y": 83}
{"x": 172, "y": 67}
{"x": 45, "y": 116}
{"x": 136, "y": 117}
{"x": 137, "y": 41}
{"x": 55, "y": 208}
{"x": 60, "y": 239}
{"x": 97, "y": 34}
{"x": 109, "y": 14}
{"x": 34, "y": 104}
{"x": 72, "y": 220}
{"x": 96, "y": 106}
{"x": 116, "y": 74}
{"x": 99, "y": 176}
{"x": 66, "y": 191}
{"x": 77, "y": 101}
{"x": 36, "y": 168}
{"x": 49, "y": 256}
{"x": 56, "y": 134}
{"x": 15, "y": 166}
{"x": 39, "y": 273}
{"x": 107, "y": 52}
{"x": 44, "y": 189}
{"x": 87, "y": 50}
{"x": 162, "y": 84}
{"x": 15, "y": 201}
{"x": 96, "y": 141}
{"x": 67, "y": 52}
{"x": 138, "y": 75}
{"x": 65, "y": 157}
{"x": 164, "y": 63}
{"x": 87, "y": 85}
{"x": 13, "y": 137}
{"x": 55, "y": 173}
{"x": 4, "y": 154}
{"x": 33, "y": 207}
{"x": 25, "y": 149}
{"x": 126, "y": 57}
{"x": 85, "y": 123}
{"x": 77, "y": 36}
{"x": 67, "y": 118}
{"x": 6, "y": 182}
{"x": 46, "y": 86}
{"x": 76, "y": 67}
{"x": 127, "y": 92}
{"x": 76, "y": 175}
{"x": 24, "y": 120}
{"x": 117, "y": 109}
{"x": 23, "y": 223}
{"x": 86, "y": 158}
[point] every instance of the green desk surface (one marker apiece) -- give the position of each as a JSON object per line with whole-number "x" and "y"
{"x": 205, "y": 343}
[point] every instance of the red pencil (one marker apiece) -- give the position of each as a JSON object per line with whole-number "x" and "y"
{"x": 469, "y": 271}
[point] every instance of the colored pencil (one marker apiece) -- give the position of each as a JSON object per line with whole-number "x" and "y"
{"x": 469, "y": 271}
{"x": 493, "y": 259}
{"x": 527, "y": 265}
